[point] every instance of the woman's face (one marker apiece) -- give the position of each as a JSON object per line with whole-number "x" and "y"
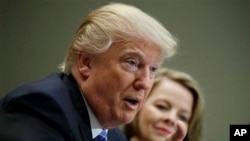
{"x": 168, "y": 103}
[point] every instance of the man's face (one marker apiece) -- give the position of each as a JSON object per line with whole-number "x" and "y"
{"x": 120, "y": 79}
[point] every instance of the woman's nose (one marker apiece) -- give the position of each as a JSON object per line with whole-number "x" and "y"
{"x": 170, "y": 117}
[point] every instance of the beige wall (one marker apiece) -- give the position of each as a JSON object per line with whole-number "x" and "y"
{"x": 214, "y": 47}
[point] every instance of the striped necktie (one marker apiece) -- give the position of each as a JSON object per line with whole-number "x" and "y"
{"x": 102, "y": 136}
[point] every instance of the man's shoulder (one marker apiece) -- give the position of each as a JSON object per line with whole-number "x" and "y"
{"x": 43, "y": 102}
{"x": 49, "y": 92}
{"x": 39, "y": 96}
{"x": 44, "y": 87}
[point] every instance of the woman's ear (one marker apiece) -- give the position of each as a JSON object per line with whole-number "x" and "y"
{"x": 83, "y": 64}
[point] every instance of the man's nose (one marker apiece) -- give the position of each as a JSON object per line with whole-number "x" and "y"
{"x": 144, "y": 80}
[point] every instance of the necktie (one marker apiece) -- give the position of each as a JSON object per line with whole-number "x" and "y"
{"x": 102, "y": 136}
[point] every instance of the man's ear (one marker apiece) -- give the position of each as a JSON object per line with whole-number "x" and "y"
{"x": 83, "y": 64}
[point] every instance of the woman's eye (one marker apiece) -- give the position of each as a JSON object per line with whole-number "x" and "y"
{"x": 183, "y": 118}
{"x": 161, "y": 107}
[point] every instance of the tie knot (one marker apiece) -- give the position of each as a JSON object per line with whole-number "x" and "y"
{"x": 102, "y": 136}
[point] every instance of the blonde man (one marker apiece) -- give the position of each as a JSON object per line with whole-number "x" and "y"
{"x": 106, "y": 76}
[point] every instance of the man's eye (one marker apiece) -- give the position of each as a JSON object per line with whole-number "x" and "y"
{"x": 130, "y": 64}
{"x": 153, "y": 69}
{"x": 133, "y": 62}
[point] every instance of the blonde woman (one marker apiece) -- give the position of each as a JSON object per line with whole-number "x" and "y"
{"x": 173, "y": 111}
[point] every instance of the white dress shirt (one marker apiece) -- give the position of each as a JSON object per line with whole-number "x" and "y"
{"x": 96, "y": 128}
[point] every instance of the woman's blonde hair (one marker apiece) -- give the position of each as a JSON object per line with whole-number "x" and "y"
{"x": 195, "y": 130}
{"x": 113, "y": 23}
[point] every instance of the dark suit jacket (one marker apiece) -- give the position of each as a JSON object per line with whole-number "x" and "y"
{"x": 51, "y": 109}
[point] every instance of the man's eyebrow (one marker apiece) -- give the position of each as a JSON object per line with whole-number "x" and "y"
{"x": 133, "y": 53}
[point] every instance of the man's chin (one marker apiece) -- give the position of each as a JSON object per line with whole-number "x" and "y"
{"x": 129, "y": 119}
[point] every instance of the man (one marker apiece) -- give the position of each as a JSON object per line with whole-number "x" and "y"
{"x": 106, "y": 76}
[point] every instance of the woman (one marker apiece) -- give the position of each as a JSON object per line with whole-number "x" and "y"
{"x": 173, "y": 112}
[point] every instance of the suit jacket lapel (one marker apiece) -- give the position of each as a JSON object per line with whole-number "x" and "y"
{"x": 79, "y": 104}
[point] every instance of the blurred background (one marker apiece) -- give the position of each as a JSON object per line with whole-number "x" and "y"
{"x": 214, "y": 41}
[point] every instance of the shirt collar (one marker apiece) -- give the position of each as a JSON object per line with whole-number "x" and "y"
{"x": 96, "y": 127}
